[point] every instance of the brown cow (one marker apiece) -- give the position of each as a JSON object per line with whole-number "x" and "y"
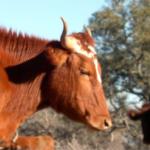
{"x": 62, "y": 74}
{"x": 143, "y": 114}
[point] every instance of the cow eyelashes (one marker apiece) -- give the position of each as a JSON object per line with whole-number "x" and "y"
{"x": 84, "y": 71}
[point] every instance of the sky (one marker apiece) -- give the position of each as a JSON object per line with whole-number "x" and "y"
{"x": 42, "y": 17}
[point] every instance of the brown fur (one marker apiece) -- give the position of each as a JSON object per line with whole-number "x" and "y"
{"x": 35, "y": 143}
{"x": 37, "y": 74}
{"x": 85, "y": 40}
{"x": 16, "y": 48}
{"x": 22, "y": 78}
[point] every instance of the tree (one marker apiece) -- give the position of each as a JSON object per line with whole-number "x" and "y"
{"x": 122, "y": 34}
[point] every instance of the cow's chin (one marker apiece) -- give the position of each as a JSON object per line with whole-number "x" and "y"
{"x": 101, "y": 123}
{"x": 95, "y": 122}
{"x": 78, "y": 112}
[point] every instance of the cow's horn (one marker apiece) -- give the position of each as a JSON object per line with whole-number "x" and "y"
{"x": 65, "y": 27}
{"x": 64, "y": 38}
{"x": 88, "y": 31}
{"x": 66, "y": 41}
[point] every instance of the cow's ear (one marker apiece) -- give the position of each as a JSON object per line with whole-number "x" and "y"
{"x": 134, "y": 115}
{"x": 56, "y": 57}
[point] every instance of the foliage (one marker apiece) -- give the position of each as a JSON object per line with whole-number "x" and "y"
{"x": 122, "y": 35}
{"x": 70, "y": 135}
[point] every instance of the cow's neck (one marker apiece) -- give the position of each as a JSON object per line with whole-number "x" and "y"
{"x": 16, "y": 48}
{"x": 29, "y": 70}
{"x": 27, "y": 79}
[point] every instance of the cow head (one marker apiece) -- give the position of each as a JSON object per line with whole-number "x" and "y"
{"x": 74, "y": 85}
{"x": 143, "y": 115}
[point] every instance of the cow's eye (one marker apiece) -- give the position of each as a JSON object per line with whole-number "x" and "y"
{"x": 84, "y": 71}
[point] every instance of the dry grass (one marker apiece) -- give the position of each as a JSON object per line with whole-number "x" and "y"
{"x": 70, "y": 135}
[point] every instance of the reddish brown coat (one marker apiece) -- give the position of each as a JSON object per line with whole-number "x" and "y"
{"x": 37, "y": 73}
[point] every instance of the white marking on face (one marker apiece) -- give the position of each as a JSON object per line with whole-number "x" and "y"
{"x": 92, "y": 49}
{"x": 85, "y": 53}
{"x": 90, "y": 54}
{"x": 97, "y": 70}
{"x": 78, "y": 49}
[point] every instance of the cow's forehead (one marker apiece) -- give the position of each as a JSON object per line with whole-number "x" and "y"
{"x": 84, "y": 38}
{"x": 92, "y": 56}
{"x": 84, "y": 45}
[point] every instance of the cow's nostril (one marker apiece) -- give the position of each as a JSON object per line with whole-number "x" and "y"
{"x": 107, "y": 123}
